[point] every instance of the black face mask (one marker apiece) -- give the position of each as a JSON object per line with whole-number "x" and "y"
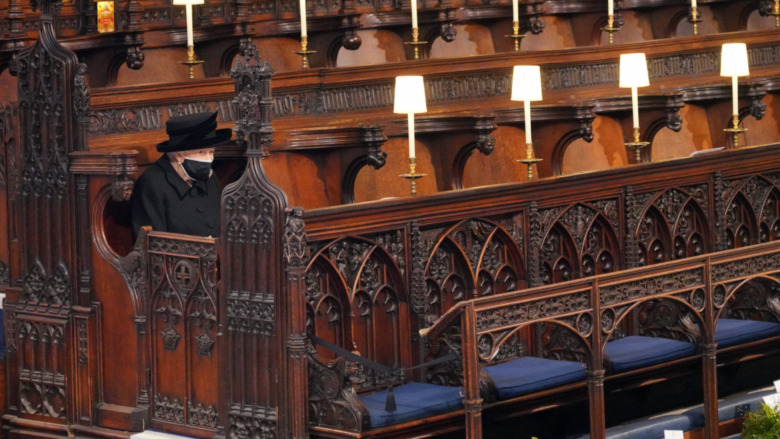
{"x": 197, "y": 169}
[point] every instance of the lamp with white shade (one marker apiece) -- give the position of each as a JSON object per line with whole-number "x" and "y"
{"x": 634, "y": 74}
{"x": 191, "y": 61}
{"x": 410, "y": 99}
{"x": 734, "y": 63}
{"x": 527, "y": 87}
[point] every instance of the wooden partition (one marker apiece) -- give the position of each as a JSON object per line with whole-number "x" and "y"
{"x": 209, "y": 337}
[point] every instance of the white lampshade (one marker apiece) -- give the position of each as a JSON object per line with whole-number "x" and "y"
{"x": 527, "y": 83}
{"x": 188, "y": 2}
{"x": 409, "y": 95}
{"x": 734, "y": 60}
{"x": 633, "y": 70}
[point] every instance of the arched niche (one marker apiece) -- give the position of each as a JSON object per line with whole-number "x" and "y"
{"x": 375, "y": 184}
{"x": 765, "y": 130}
{"x": 604, "y": 152}
{"x": 755, "y": 21}
{"x": 471, "y": 40}
{"x": 160, "y": 66}
{"x": 378, "y": 47}
{"x": 557, "y": 34}
{"x": 693, "y": 136}
{"x": 280, "y": 52}
{"x": 310, "y": 192}
{"x": 681, "y": 27}
{"x": 502, "y": 162}
{"x": 636, "y": 28}
{"x": 327, "y": 306}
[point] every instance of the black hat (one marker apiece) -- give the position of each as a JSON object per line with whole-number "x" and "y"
{"x": 193, "y": 131}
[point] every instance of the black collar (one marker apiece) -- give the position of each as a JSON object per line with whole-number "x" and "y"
{"x": 174, "y": 179}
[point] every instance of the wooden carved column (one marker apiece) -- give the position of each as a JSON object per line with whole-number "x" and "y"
{"x": 263, "y": 334}
{"x": 5, "y": 278}
{"x": 296, "y": 258}
{"x": 52, "y": 367}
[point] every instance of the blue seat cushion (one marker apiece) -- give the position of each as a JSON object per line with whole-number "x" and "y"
{"x": 413, "y": 401}
{"x": 649, "y": 428}
{"x": 732, "y": 407}
{"x": 529, "y": 374}
{"x": 729, "y": 332}
{"x": 634, "y": 351}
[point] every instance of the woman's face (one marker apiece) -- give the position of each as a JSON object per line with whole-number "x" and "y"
{"x": 206, "y": 154}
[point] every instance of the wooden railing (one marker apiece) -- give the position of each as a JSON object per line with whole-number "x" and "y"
{"x": 592, "y": 309}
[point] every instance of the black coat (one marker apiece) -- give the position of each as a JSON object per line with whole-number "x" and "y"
{"x": 163, "y": 200}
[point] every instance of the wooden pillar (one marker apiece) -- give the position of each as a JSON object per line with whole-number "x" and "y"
{"x": 472, "y": 402}
{"x": 296, "y": 260}
{"x": 595, "y": 374}
{"x": 709, "y": 361}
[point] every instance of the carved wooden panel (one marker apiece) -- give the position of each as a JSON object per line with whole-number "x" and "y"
{"x": 42, "y": 385}
{"x": 672, "y": 225}
{"x": 580, "y": 241}
{"x": 751, "y": 211}
{"x": 472, "y": 258}
{"x": 757, "y": 299}
{"x": 357, "y": 299}
{"x": 183, "y": 331}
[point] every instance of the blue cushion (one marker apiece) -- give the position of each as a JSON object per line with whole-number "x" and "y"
{"x": 413, "y": 401}
{"x": 635, "y": 351}
{"x": 729, "y": 332}
{"x": 651, "y": 428}
{"x": 529, "y": 374}
{"x": 729, "y": 408}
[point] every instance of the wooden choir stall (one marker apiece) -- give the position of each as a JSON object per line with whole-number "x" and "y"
{"x": 550, "y": 298}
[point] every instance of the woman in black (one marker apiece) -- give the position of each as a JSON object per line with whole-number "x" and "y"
{"x": 179, "y": 193}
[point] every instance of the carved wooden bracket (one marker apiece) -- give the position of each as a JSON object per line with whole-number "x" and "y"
{"x": 121, "y": 166}
{"x": 355, "y": 147}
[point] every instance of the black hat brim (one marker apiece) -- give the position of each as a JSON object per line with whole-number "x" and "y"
{"x": 218, "y": 137}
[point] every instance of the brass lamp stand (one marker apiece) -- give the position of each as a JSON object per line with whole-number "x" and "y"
{"x": 637, "y": 145}
{"x": 735, "y": 130}
{"x": 611, "y": 28}
{"x": 305, "y": 52}
{"x": 516, "y": 35}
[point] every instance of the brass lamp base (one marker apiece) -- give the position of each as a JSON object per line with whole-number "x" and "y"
{"x": 530, "y": 162}
{"x": 516, "y": 35}
{"x": 304, "y": 52}
{"x": 694, "y": 19}
{"x": 735, "y": 130}
{"x": 415, "y": 43}
{"x": 191, "y": 61}
{"x": 637, "y": 146}
{"x": 610, "y": 27}
{"x": 412, "y": 176}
